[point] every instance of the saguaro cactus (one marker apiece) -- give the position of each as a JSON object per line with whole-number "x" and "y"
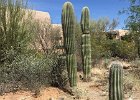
{"x": 116, "y": 82}
{"x": 68, "y": 26}
{"x": 86, "y": 44}
{"x": 138, "y": 46}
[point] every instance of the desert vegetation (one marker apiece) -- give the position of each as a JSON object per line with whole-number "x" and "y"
{"x": 82, "y": 60}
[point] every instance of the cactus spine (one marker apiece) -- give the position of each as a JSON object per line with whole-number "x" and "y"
{"x": 116, "y": 82}
{"x": 86, "y": 44}
{"x": 68, "y": 26}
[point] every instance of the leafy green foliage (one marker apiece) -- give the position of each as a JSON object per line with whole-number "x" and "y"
{"x": 21, "y": 66}
{"x": 104, "y": 47}
{"x": 99, "y": 41}
{"x": 26, "y": 71}
{"x": 103, "y": 24}
{"x": 99, "y": 47}
{"x": 15, "y": 32}
{"x": 78, "y": 33}
{"x": 133, "y": 20}
{"x": 123, "y": 49}
{"x": 58, "y": 76}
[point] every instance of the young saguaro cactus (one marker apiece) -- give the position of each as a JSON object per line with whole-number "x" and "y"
{"x": 116, "y": 82}
{"x": 68, "y": 26}
{"x": 86, "y": 44}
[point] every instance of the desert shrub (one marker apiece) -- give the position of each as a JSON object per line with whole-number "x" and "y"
{"x": 22, "y": 65}
{"x": 99, "y": 47}
{"x": 15, "y": 28}
{"x": 99, "y": 41}
{"x": 131, "y": 83}
{"x": 58, "y": 74}
{"x": 123, "y": 49}
{"x": 30, "y": 71}
{"x": 127, "y": 38}
{"x": 78, "y": 45}
{"x": 106, "y": 48}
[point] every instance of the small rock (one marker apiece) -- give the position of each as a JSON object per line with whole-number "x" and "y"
{"x": 51, "y": 98}
{"x": 61, "y": 99}
{"x": 104, "y": 94}
{"x": 130, "y": 98}
{"x": 126, "y": 67}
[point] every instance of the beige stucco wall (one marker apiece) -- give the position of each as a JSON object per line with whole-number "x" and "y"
{"x": 41, "y": 16}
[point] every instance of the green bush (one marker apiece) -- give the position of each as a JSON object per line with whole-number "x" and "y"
{"x": 99, "y": 47}
{"x": 58, "y": 76}
{"x": 15, "y": 27}
{"x": 29, "y": 71}
{"x": 123, "y": 49}
{"x": 106, "y": 48}
{"x": 20, "y": 65}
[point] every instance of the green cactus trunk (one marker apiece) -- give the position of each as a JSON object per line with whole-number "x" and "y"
{"x": 68, "y": 26}
{"x": 86, "y": 44}
{"x": 116, "y": 82}
{"x": 138, "y": 46}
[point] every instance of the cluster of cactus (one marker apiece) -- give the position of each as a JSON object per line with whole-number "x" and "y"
{"x": 116, "y": 82}
{"x": 86, "y": 44}
{"x": 68, "y": 26}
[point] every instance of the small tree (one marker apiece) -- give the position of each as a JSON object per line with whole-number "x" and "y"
{"x": 98, "y": 30}
{"x": 133, "y": 11}
{"x": 15, "y": 31}
{"x": 133, "y": 22}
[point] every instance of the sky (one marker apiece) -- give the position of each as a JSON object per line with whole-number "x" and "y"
{"x": 98, "y": 9}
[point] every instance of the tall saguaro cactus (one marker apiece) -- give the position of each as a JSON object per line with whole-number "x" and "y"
{"x": 86, "y": 44}
{"x": 116, "y": 82}
{"x": 68, "y": 25}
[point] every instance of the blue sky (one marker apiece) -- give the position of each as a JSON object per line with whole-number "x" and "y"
{"x": 98, "y": 8}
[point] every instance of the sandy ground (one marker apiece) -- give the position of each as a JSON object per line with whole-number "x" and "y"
{"x": 45, "y": 94}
